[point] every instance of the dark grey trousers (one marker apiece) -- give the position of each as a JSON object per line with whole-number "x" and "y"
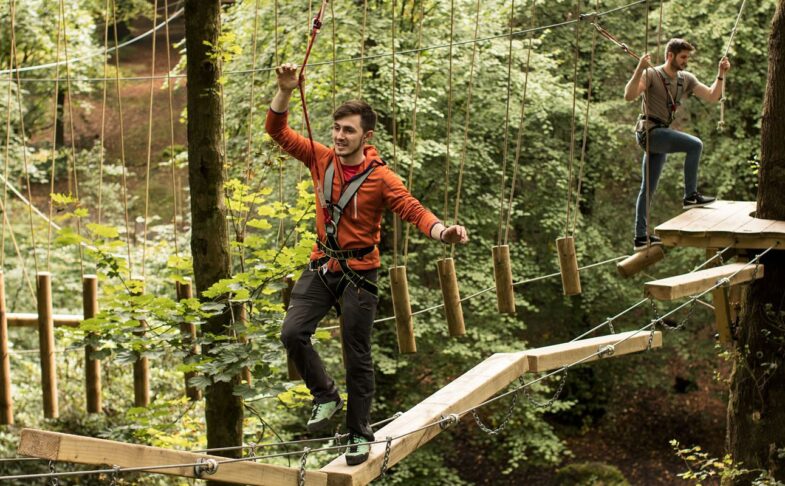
{"x": 312, "y": 298}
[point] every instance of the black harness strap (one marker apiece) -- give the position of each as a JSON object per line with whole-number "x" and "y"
{"x": 332, "y": 250}
{"x": 673, "y": 101}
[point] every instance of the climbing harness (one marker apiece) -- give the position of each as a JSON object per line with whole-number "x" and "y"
{"x": 333, "y": 211}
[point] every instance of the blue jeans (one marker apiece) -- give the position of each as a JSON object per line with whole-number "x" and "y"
{"x": 664, "y": 141}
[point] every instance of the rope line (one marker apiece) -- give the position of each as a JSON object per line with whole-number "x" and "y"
{"x": 572, "y": 121}
{"x": 83, "y": 58}
{"x": 396, "y": 218}
{"x": 467, "y": 121}
{"x": 521, "y": 125}
{"x": 506, "y": 125}
{"x": 362, "y": 47}
{"x": 102, "y": 135}
{"x": 381, "y": 55}
{"x": 721, "y": 123}
{"x": 55, "y": 96}
{"x": 170, "y": 99}
{"x": 448, "y": 140}
{"x": 149, "y": 147}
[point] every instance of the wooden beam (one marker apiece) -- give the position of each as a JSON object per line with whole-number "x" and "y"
{"x": 30, "y": 319}
{"x": 465, "y": 392}
{"x": 722, "y": 313}
{"x": 552, "y": 357}
{"x": 679, "y": 286}
{"x": 100, "y": 452}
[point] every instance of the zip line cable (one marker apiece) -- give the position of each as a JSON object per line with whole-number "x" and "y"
{"x": 448, "y": 45}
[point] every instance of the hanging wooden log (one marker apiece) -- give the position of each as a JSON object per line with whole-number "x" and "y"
{"x": 6, "y": 399}
{"x": 46, "y": 344}
{"x": 640, "y": 261}
{"x": 568, "y": 263}
{"x": 92, "y": 367}
{"x": 141, "y": 365}
{"x": 722, "y": 313}
{"x": 30, "y": 319}
{"x": 448, "y": 280}
{"x": 693, "y": 283}
{"x": 399, "y": 287}
{"x": 286, "y": 295}
{"x": 188, "y": 331}
{"x": 502, "y": 272}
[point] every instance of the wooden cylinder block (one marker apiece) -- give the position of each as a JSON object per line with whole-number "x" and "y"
{"x": 640, "y": 260}
{"x": 46, "y": 344}
{"x": 92, "y": 367}
{"x": 188, "y": 331}
{"x": 403, "y": 310}
{"x": 141, "y": 371}
{"x": 502, "y": 273}
{"x": 286, "y": 295}
{"x": 6, "y": 398}
{"x": 452, "y": 297}
{"x": 568, "y": 263}
{"x": 241, "y": 315}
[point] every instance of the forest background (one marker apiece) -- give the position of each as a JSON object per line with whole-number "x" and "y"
{"x": 624, "y": 413}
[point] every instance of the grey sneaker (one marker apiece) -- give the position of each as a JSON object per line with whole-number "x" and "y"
{"x": 322, "y": 414}
{"x": 358, "y": 450}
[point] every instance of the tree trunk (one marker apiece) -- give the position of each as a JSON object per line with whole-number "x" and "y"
{"x": 209, "y": 243}
{"x": 756, "y": 408}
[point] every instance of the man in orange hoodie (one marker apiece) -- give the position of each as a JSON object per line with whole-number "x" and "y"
{"x": 353, "y": 186}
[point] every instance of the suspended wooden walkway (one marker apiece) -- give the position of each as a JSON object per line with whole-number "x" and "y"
{"x": 410, "y": 431}
{"x": 722, "y": 224}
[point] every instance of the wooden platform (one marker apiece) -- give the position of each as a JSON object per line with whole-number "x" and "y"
{"x": 722, "y": 224}
{"x": 679, "y": 286}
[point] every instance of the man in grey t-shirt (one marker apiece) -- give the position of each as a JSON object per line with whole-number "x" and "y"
{"x": 663, "y": 87}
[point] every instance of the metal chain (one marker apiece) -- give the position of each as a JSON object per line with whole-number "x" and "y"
{"x": 555, "y": 396}
{"x": 387, "y": 448}
{"x": 53, "y": 481}
{"x": 303, "y": 459}
{"x": 505, "y": 420}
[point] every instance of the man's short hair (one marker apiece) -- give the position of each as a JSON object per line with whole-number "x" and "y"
{"x": 357, "y": 107}
{"x": 677, "y": 45}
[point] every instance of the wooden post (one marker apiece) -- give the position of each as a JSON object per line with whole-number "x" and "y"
{"x": 286, "y": 295}
{"x": 568, "y": 263}
{"x": 502, "y": 273}
{"x": 188, "y": 331}
{"x": 6, "y": 398}
{"x": 721, "y": 300}
{"x": 141, "y": 366}
{"x": 92, "y": 367}
{"x": 46, "y": 344}
{"x": 640, "y": 260}
{"x": 448, "y": 281}
{"x": 399, "y": 288}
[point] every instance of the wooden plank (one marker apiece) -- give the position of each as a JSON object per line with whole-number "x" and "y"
{"x": 552, "y": 357}
{"x": 100, "y": 452}
{"x": 682, "y": 220}
{"x": 465, "y": 392}
{"x": 696, "y": 282}
{"x": 722, "y": 313}
{"x": 740, "y": 217}
{"x": 709, "y": 217}
{"x": 30, "y": 319}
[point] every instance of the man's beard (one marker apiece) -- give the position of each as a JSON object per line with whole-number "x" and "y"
{"x": 359, "y": 147}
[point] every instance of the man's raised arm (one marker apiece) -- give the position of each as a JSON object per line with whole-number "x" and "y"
{"x": 635, "y": 85}
{"x": 714, "y": 93}
{"x": 287, "y": 83}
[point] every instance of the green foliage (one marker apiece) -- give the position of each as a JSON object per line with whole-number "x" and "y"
{"x": 702, "y": 467}
{"x": 591, "y": 474}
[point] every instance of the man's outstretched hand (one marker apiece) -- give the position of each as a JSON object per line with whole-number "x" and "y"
{"x": 455, "y": 234}
{"x": 287, "y": 77}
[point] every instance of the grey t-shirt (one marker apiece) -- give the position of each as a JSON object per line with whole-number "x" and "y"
{"x": 655, "y": 99}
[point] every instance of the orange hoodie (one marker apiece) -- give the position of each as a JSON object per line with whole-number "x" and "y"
{"x": 361, "y": 221}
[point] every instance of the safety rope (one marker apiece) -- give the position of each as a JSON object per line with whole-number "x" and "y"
{"x": 335, "y": 56}
{"x": 55, "y": 103}
{"x": 585, "y": 136}
{"x": 354, "y": 60}
{"x": 170, "y": 99}
{"x": 317, "y": 25}
{"x": 506, "y": 123}
{"x": 394, "y": 110}
{"x": 521, "y": 124}
{"x": 149, "y": 147}
{"x": 23, "y": 138}
{"x": 467, "y": 121}
{"x": 413, "y": 155}
{"x": 572, "y": 120}
{"x": 102, "y": 135}
{"x": 124, "y": 179}
{"x": 362, "y": 48}
{"x": 7, "y": 151}
{"x": 448, "y": 139}
{"x": 721, "y": 123}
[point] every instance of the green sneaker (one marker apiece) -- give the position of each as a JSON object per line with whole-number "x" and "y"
{"x": 358, "y": 450}
{"x": 322, "y": 413}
